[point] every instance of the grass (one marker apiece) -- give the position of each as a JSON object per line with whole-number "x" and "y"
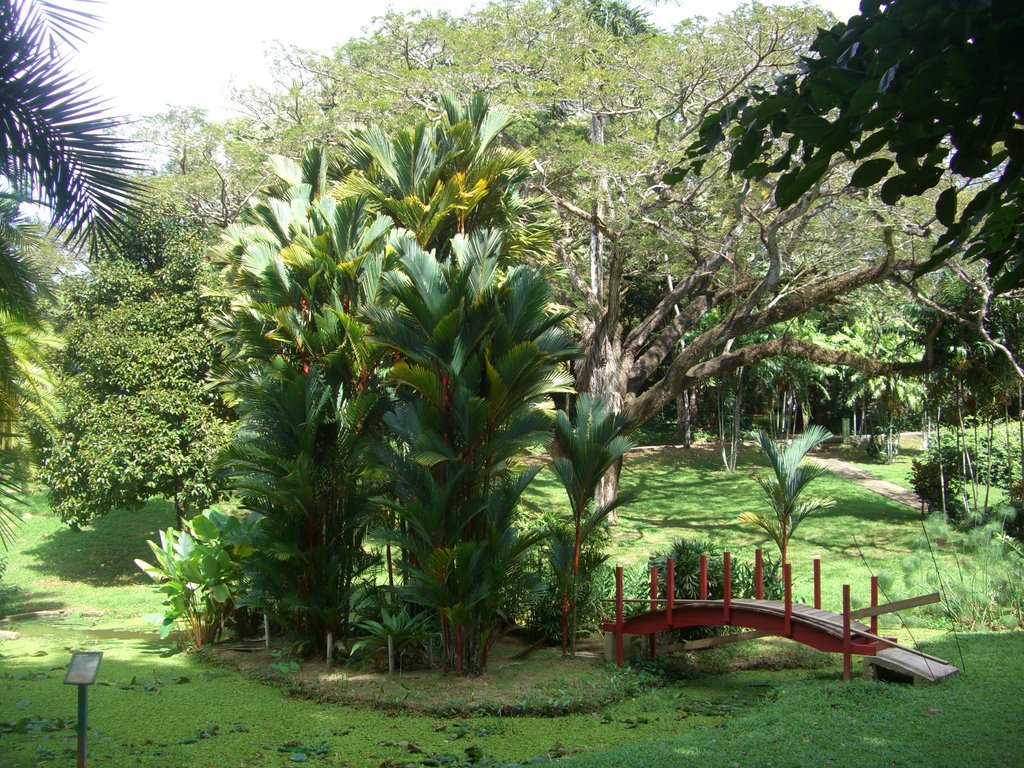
{"x": 54, "y": 568}
{"x": 970, "y": 719}
{"x": 687, "y": 493}
{"x": 739, "y": 705}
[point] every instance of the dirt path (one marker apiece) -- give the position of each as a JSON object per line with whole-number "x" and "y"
{"x": 881, "y": 487}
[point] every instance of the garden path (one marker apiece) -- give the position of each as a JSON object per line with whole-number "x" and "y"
{"x": 840, "y": 468}
{"x": 882, "y": 487}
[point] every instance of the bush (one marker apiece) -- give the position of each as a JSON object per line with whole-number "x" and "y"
{"x": 944, "y": 476}
{"x": 408, "y": 635}
{"x": 1014, "y": 523}
{"x": 200, "y": 571}
{"x": 686, "y": 553}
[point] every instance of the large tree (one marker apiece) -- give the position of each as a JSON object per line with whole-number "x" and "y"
{"x": 139, "y": 419}
{"x": 673, "y": 285}
{"x": 923, "y": 94}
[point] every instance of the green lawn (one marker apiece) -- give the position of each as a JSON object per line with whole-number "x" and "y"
{"x": 687, "y": 493}
{"x": 156, "y": 707}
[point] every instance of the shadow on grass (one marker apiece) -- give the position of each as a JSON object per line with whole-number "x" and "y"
{"x": 104, "y": 552}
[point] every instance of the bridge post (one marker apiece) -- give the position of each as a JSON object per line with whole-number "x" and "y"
{"x": 758, "y": 575}
{"x": 618, "y": 615}
{"x": 726, "y": 586}
{"x": 847, "y": 641}
{"x": 787, "y": 579}
{"x": 874, "y": 604}
{"x": 817, "y": 583}
{"x": 670, "y": 589}
{"x": 654, "y": 607}
{"x": 703, "y": 577}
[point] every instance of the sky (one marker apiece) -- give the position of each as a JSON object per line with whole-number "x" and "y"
{"x": 148, "y": 55}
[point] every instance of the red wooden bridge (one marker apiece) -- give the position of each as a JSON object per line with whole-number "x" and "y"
{"x": 807, "y": 624}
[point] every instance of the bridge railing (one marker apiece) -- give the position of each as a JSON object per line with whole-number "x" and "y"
{"x": 655, "y": 603}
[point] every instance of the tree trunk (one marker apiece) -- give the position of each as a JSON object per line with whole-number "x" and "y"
{"x": 180, "y": 510}
{"x": 684, "y": 417}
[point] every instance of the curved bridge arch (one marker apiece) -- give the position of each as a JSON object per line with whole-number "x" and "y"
{"x": 809, "y": 625}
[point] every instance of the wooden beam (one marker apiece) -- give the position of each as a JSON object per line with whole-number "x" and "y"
{"x": 714, "y": 642}
{"x": 899, "y": 605}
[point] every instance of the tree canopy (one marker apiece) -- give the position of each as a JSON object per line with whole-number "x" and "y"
{"x": 922, "y": 95}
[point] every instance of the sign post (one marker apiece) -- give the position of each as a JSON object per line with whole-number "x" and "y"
{"x": 82, "y": 672}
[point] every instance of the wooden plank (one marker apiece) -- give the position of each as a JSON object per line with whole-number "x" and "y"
{"x": 906, "y": 663}
{"x": 899, "y": 605}
{"x": 714, "y": 642}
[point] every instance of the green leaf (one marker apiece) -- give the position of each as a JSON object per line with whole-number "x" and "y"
{"x": 871, "y": 172}
{"x": 945, "y": 207}
{"x": 793, "y": 184}
{"x": 204, "y": 528}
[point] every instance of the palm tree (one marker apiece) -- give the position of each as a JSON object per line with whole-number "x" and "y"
{"x": 298, "y": 267}
{"x": 785, "y": 491}
{"x": 583, "y": 452}
{"x": 479, "y": 355}
{"x": 55, "y": 142}
{"x": 449, "y": 177}
{"x": 27, "y": 402}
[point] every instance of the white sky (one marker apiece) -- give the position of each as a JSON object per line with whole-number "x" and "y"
{"x": 151, "y": 54}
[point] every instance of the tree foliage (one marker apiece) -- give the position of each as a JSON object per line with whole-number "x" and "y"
{"x": 298, "y": 267}
{"x": 56, "y": 143}
{"x": 785, "y": 490}
{"x": 922, "y": 95}
{"x": 480, "y": 354}
{"x": 583, "y": 451}
{"x": 138, "y": 417}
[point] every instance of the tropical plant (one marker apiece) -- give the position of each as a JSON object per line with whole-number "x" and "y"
{"x": 785, "y": 490}
{"x": 449, "y": 177}
{"x": 28, "y": 406}
{"x": 304, "y": 378}
{"x": 395, "y": 636}
{"x": 582, "y": 452}
{"x": 915, "y": 92}
{"x": 479, "y": 353}
{"x": 199, "y": 568}
{"x": 55, "y": 143}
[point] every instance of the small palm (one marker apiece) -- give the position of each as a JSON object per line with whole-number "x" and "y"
{"x": 785, "y": 489}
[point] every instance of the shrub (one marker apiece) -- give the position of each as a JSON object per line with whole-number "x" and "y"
{"x": 200, "y": 570}
{"x": 687, "y": 552}
{"x": 407, "y": 633}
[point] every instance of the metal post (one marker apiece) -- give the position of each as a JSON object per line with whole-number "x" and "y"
{"x": 82, "y": 672}
{"x": 83, "y": 723}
